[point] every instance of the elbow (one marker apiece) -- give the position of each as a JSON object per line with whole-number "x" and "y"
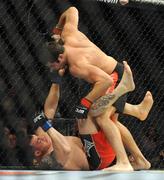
{"x": 73, "y": 10}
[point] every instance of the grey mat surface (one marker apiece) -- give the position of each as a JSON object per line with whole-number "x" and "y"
{"x": 81, "y": 175}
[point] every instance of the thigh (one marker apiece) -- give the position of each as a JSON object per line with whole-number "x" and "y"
{"x": 87, "y": 126}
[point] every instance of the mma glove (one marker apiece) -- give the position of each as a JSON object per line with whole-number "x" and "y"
{"x": 55, "y": 77}
{"x": 81, "y": 111}
{"x": 40, "y": 120}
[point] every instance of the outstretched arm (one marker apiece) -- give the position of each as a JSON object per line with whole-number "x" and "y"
{"x": 51, "y": 102}
{"x": 50, "y": 105}
{"x": 61, "y": 147}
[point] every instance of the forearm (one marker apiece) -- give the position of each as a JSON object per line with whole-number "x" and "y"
{"x": 67, "y": 16}
{"x": 98, "y": 90}
{"x": 51, "y": 102}
{"x": 61, "y": 21}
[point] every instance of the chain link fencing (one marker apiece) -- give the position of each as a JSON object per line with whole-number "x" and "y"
{"x": 134, "y": 32}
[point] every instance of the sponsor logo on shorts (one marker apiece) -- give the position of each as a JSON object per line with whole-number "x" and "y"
{"x": 88, "y": 145}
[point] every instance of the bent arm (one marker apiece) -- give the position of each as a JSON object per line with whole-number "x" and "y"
{"x": 69, "y": 17}
{"x": 94, "y": 75}
{"x": 61, "y": 147}
{"x": 60, "y": 144}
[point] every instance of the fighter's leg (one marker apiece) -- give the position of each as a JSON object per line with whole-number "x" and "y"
{"x": 87, "y": 126}
{"x": 139, "y": 161}
{"x": 114, "y": 138}
{"x": 104, "y": 102}
{"x": 141, "y": 110}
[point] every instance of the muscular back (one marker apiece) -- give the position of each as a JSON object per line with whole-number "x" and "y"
{"x": 80, "y": 49}
{"x": 84, "y": 59}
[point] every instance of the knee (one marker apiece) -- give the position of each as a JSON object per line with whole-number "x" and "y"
{"x": 102, "y": 119}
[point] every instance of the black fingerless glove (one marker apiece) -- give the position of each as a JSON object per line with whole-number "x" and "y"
{"x": 55, "y": 77}
{"x": 41, "y": 120}
{"x": 81, "y": 111}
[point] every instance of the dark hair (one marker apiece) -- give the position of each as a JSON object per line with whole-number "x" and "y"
{"x": 49, "y": 162}
{"x": 55, "y": 48}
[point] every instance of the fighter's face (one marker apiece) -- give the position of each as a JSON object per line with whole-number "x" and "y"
{"x": 40, "y": 143}
{"x": 55, "y": 65}
{"x": 59, "y": 64}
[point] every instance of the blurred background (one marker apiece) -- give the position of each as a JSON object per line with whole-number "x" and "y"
{"x": 134, "y": 32}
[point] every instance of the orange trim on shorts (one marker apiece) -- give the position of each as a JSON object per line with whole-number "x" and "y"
{"x": 114, "y": 76}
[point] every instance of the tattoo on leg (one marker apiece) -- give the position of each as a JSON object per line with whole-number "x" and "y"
{"x": 101, "y": 103}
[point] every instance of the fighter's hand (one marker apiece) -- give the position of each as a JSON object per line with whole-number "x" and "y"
{"x": 81, "y": 111}
{"x": 56, "y": 76}
{"x": 40, "y": 120}
{"x": 62, "y": 71}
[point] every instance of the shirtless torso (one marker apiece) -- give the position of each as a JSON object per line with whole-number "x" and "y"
{"x": 77, "y": 152}
{"x": 83, "y": 58}
{"x": 80, "y": 51}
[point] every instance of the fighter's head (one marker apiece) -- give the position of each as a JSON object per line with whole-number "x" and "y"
{"x": 41, "y": 145}
{"x": 56, "y": 50}
{"x": 44, "y": 157}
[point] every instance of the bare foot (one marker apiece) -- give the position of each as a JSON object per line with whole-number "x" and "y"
{"x": 127, "y": 82}
{"x": 145, "y": 106}
{"x": 122, "y": 167}
{"x": 126, "y": 85}
{"x": 140, "y": 163}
